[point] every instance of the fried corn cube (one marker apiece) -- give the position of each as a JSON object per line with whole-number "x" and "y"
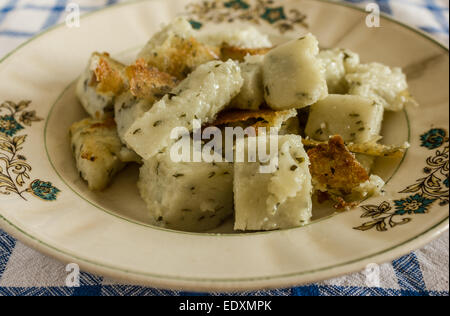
{"x": 268, "y": 201}
{"x": 293, "y": 75}
{"x": 176, "y": 51}
{"x": 201, "y": 96}
{"x": 147, "y": 85}
{"x": 356, "y": 119}
{"x": 98, "y": 150}
{"x": 103, "y": 79}
{"x": 334, "y": 169}
{"x": 189, "y": 196}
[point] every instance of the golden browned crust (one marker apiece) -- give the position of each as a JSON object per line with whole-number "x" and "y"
{"x": 341, "y": 204}
{"x": 239, "y": 53}
{"x": 261, "y": 118}
{"x": 335, "y": 168}
{"x": 93, "y": 132}
{"x": 370, "y": 148}
{"x": 234, "y": 116}
{"x": 108, "y": 122}
{"x": 147, "y": 81}
{"x": 90, "y": 125}
{"x": 108, "y": 75}
{"x": 182, "y": 56}
{"x": 338, "y": 202}
{"x": 87, "y": 155}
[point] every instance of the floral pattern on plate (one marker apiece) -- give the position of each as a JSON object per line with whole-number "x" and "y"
{"x": 257, "y": 12}
{"x": 14, "y": 169}
{"x": 434, "y": 187}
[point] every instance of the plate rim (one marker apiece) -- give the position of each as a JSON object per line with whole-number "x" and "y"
{"x": 230, "y": 284}
{"x": 131, "y": 2}
{"x": 209, "y": 284}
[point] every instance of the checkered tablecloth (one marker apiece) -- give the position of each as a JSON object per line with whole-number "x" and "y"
{"x": 23, "y": 271}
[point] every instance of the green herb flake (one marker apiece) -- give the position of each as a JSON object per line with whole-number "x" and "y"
{"x": 302, "y": 95}
{"x": 110, "y": 172}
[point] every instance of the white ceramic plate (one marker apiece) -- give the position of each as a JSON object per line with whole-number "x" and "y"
{"x": 49, "y": 207}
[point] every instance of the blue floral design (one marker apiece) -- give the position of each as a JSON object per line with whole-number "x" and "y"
{"x": 217, "y": 11}
{"x": 273, "y": 15}
{"x": 422, "y": 194}
{"x": 433, "y": 139}
{"x": 44, "y": 190}
{"x": 9, "y": 125}
{"x": 196, "y": 25}
{"x": 416, "y": 204}
{"x": 237, "y": 4}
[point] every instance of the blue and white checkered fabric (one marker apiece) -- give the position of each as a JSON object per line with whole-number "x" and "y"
{"x": 428, "y": 15}
{"x": 24, "y": 271}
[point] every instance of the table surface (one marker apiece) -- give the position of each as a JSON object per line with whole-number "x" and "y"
{"x": 24, "y": 271}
